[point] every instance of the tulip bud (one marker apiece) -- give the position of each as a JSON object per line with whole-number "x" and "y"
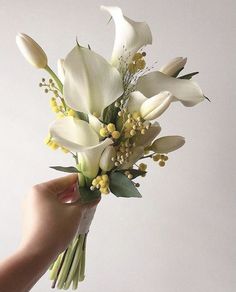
{"x": 106, "y": 162}
{"x": 167, "y": 144}
{"x": 154, "y": 106}
{"x": 32, "y": 52}
{"x": 174, "y": 66}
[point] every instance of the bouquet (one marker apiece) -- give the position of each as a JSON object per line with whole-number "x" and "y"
{"x": 106, "y": 119}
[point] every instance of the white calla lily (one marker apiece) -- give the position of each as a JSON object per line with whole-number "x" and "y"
{"x": 61, "y": 70}
{"x": 130, "y": 35}
{"x": 95, "y": 123}
{"x": 106, "y": 163}
{"x": 154, "y": 106}
{"x": 89, "y": 159}
{"x": 167, "y": 144}
{"x": 78, "y": 136}
{"x": 186, "y": 91}
{"x": 91, "y": 83}
{"x": 174, "y": 66}
{"x": 73, "y": 134}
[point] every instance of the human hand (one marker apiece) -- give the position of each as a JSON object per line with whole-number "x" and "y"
{"x": 52, "y": 214}
{"x": 50, "y": 222}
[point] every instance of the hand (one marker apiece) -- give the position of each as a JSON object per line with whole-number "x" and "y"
{"x": 50, "y": 221}
{"x": 52, "y": 214}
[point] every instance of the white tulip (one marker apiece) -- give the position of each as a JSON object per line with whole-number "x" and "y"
{"x": 32, "y": 52}
{"x": 106, "y": 162}
{"x": 154, "y": 106}
{"x": 186, "y": 91}
{"x": 146, "y": 139}
{"x": 91, "y": 83}
{"x": 134, "y": 157}
{"x": 130, "y": 35}
{"x": 167, "y": 144}
{"x": 78, "y": 136}
{"x": 174, "y": 66}
{"x": 136, "y": 98}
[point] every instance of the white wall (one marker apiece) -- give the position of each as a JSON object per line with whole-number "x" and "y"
{"x": 181, "y": 236}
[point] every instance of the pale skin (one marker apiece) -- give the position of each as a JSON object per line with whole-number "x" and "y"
{"x": 49, "y": 225}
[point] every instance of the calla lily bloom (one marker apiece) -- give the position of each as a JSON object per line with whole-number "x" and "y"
{"x": 78, "y": 136}
{"x": 130, "y": 35}
{"x": 174, "y": 66}
{"x": 61, "y": 70}
{"x": 186, "y": 91}
{"x": 91, "y": 83}
{"x": 167, "y": 144}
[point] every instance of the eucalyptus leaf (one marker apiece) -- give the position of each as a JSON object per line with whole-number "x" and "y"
{"x": 68, "y": 169}
{"x": 110, "y": 114}
{"x": 177, "y": 73}
{"x": 83, "y": 116}
{"x": 121, "y": 186}
{"x": 188, "y": 76}
{"x": 87, "y": 195}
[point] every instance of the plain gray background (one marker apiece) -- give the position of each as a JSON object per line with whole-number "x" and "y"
{"x": 180, "y": 237}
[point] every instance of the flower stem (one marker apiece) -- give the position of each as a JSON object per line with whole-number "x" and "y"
{"x": 67, "y": 264}
{"x": 55, "y": 78}
{"x": 75, "y": 263}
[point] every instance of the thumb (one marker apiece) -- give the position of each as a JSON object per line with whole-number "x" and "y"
{"x": 61, "y": 184}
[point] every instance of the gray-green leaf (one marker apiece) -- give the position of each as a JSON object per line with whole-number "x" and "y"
{"x": 69, "y": 169}
{"x": 188, "y": 76}
{"x": 87, "y": 195}
{"x": 121, "y": 186}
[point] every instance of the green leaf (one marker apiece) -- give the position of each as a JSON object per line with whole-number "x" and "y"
{"x": 188, "y": 76}
{"x": 177, "y": 73}
{"x": 69, "y": 169}
{"x": 83, "y": 116}
{"x": 87, "y": 195}
{"x": 110, "y": 114}
{"x": 121, "y": 186}
{"x": 135, "y": 172}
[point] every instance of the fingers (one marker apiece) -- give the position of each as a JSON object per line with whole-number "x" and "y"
{"x": 80, "y": 204}
{"x": 60, "y": 185}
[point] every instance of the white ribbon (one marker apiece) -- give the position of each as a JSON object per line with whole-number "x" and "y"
{"x": 86, "y": 220}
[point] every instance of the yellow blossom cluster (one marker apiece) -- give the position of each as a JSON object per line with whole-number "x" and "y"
{"x": 161, "y": 158}
{"x": 138, "y": 63}
{"x": 135, "y": 124}
{"x": 109, "y": 130}
{"x": 60, "y": 109}
{"x": 53, "y": 145}
{"x": 101, "y": 182}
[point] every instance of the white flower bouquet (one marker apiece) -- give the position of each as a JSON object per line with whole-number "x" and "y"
{"x": 106, "y": 115}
